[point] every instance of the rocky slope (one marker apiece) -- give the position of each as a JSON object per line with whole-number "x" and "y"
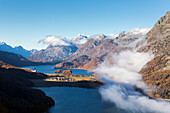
{"x": 101, "y": 47}
{"x": 53, "y": 53}
{"x": 157, "y": 42}
{"x": 17, "y": 50}
{"x": 88, "y": 46}
{"x": 82, "y": 62}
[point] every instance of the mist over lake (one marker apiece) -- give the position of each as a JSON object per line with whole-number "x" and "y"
{"x": 76, "y": 100}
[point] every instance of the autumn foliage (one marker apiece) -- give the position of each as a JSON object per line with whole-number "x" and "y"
{"x": 156, "y": 73}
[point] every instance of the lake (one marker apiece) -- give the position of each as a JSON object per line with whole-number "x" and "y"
{"x": 76, "y": 100}
{"x": 48, "y": 69}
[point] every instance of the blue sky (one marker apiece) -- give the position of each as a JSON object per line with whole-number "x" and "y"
{"x": 25, "y": 22}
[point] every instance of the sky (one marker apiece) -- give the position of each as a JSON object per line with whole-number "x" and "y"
{"x": 25, "y": 22}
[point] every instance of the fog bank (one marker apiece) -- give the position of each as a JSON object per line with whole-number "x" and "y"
{"x": 121, "y": 79}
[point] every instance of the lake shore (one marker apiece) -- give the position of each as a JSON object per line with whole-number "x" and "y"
{"x": 81, "y": 84}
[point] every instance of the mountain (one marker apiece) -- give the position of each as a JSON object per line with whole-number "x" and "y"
{"x": 157, "y": 42}
{"x": 61, "y": 48}
{"x": 124, "y": 38}
{"x": 53, "y": 53}
{"x": 100, "y": 47}
{"x": 88, "y": 46}
{"x": 127, "y": 37}
{"x": 15, "y": 59}
{"x": 18, "y": 49}
{"x": 33, "y": 51}
{"x": 80, "y": 39}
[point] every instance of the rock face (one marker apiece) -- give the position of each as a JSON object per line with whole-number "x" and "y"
{"x": 53, "y": 53}
{"x": 157, "y": 71}
{"x": 158, "y": 38}
{"x": 17, "y": 50}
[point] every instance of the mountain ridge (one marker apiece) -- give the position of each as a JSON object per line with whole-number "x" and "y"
{"x": 100, "y": 47}
{"x": 17, "y": 49}
{"x": 53, "y": 53}
{"x": 157, "y": 71}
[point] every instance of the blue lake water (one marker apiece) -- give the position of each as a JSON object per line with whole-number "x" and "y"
{"x": 76, "y": 100}
{"x": 48, "y": 69}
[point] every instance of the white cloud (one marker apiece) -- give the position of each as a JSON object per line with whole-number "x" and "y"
{"x": 121, "y": 79}
{"x": 126, "y": 67}
{"x": 56, "y": 40}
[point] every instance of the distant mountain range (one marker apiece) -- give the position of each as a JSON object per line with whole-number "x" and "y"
{"x": 61, "y": 48}
{"x": 18, "y": 50}
{"x": 84, "y": 45}
{"x": 53, "y": 53}
{"x": 100, "y": 46}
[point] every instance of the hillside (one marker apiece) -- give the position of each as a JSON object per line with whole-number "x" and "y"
{"x": 14, "y": 59}
{"x": 18, "y": 60}
{"x": 157, "y": 42}
{"x": 15, "y": 94}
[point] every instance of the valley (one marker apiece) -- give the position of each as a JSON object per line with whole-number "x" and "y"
{"x": 122, "y": 70}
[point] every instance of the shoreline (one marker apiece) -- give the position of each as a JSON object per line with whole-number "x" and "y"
{"x": 81, "y": 84}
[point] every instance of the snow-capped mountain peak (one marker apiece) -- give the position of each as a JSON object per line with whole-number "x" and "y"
{"x": 127, "y": 37}
{"x": 80, "y": 39}
{"x": 2, "y": 43}
{"x": 137, "y": 31}
{"x": 111, "y": 36}
{"x": 100, "y": 37}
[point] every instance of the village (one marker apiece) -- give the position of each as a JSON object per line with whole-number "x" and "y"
{"x": 68, "y": 76}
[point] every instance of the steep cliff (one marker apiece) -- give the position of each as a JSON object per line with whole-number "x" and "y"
{"x": 157, "y": 71}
